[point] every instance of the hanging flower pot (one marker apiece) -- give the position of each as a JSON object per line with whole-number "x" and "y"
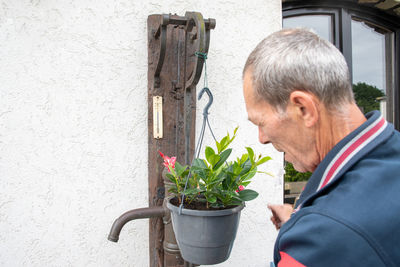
{"x": 207, "y": 200}
{"x": 205, "y": 236}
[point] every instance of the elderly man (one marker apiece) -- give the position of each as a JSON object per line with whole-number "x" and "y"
{"x": 298, "y": 93}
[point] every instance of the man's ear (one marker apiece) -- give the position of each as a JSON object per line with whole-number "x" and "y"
{"x": 304, "y": 106}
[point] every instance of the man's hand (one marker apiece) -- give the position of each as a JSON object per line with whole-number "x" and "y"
{"x": 280, "y": 214}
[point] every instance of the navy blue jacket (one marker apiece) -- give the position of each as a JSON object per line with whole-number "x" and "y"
{"x": 349, "y": 211}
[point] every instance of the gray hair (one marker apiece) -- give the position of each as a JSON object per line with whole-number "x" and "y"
{"x": 297, "y": 59}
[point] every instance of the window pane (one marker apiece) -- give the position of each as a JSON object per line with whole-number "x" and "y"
{"x": 368, "y": 55}
{"x": 321, "y": 24}
{"x": 371, "y": 83}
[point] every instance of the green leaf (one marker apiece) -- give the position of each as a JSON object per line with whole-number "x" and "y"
{"x": 246, "y": 167}
{"x": 236, "y": 169}
{"x": 199, "y": 164}
{"x": 224, "y": 157}
{"x": 243, "y": 158}
{"x": 179, "y": 169}
{"x": 263, "y": 160}
{"x": 270, "y": 174}
{"x": 236, "y": 197}
{"x": 226, "y": 181}
{"x": 209, "y": 153}
{"x": 173, "y": 190}
{"x": 184, "y": 173}
{"x": 202, "y": 187}
{"x": 171, "y": 177}
{"x": 234, "y": 131}
{"x": 191, "y": 191}
{"x": 193, "y": 181}
{"x": 247, "y": 194}
{"x": 246, "y": 183}
{"x": 171, "y": 170}
{"x": 251, "y": 154}
{"x": 200, "y": 168}
{"x": 249, "y": 175}
{"x": 218, "y": 146}
{"x": 216, "y": 181}
{"x": 224, "y": 143}
{"x": 214, "y": 159}
{"x": 233, "y": 138}
{"x": 211, "y": 198}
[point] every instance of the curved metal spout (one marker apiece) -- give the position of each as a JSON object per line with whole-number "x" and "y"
{"x": 157, "y": 211}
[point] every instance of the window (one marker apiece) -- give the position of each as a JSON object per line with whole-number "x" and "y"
{"x": 368, "y": 35}
{"x": 321, "y": 24}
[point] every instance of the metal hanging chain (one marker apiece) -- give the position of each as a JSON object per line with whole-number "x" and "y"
{"x": 205, "y": 121}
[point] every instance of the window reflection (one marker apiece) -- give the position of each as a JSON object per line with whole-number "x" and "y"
{"x": 368, "y": 55}
{"x": 321, "y": 24}
{"x": 370, "y": 66}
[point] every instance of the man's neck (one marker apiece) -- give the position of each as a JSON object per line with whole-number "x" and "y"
{"x": 334, "y": 126}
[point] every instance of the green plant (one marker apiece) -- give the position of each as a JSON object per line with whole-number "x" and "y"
{"x": 291, "y": 175}
{"x": 213, "y": 180}
{"x": 366, "y": 96}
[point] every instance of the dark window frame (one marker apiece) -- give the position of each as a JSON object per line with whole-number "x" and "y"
{"x": 328, "y": 12}
{"x": 342, "y": 13}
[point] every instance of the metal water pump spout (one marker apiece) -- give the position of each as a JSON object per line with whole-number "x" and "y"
{"x": 151, "y": 212}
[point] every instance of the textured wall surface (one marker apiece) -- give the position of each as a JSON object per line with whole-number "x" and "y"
{"x": 73, "y": 121}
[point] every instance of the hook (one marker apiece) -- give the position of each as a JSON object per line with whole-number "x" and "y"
{"x": 210, "y": 99}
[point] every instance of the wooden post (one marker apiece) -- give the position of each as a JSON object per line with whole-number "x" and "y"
{"x": 172, "y": 89}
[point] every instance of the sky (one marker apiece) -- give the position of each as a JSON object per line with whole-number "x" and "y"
{"x": 368, "y": 49}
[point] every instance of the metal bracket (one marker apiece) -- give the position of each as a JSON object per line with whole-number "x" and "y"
{"x": 162, "y": 33}
{"x": 202, "y": 35}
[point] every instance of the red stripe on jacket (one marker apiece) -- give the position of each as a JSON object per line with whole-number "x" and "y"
{"x": 288, "y": 261}
{"x": 353, "y": 147}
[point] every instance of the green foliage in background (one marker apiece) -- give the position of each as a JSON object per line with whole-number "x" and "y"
{"x": 291, "y": 175}
{"x": 366, "y": 95}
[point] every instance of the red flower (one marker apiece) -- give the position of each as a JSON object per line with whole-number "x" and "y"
{"x": 241, "y": 187}
{"x": 168, "y": 161}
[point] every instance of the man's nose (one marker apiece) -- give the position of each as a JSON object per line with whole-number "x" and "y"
{"x": 262, "y": 137}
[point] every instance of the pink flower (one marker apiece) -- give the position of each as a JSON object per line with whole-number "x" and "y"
{"x": 168, "y": 161}
{"x": 241, "y": 187}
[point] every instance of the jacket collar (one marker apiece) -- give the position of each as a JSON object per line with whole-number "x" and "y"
{"x": 345, "y": 154}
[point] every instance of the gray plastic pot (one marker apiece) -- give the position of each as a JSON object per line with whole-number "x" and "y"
{"x": 205, "y": 236}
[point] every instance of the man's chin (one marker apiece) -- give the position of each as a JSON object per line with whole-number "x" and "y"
{"x": 299, "y": 168}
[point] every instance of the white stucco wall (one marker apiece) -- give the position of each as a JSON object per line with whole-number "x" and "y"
{"x": 73, "y": 121}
